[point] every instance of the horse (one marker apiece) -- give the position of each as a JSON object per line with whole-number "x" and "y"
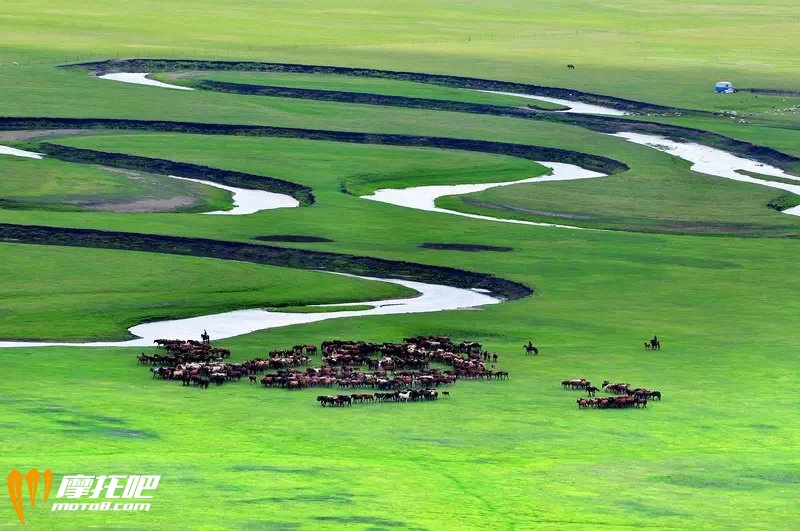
{"x": 655, "y": 344}
{"x": 322, "y": 399}
{"x": 647, "y": 345}
{"x": 344, "y": 399}
{"x": 655, "y": 395}
{"x": 570, "y": 67}
{"x": 592, "y": 390}
{"x": 531, "y": 348}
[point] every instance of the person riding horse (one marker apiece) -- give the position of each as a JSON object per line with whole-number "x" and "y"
{"x": 654, "y": 343}
{"x": 531, "y": 348}
{"x": 205, "y": 337}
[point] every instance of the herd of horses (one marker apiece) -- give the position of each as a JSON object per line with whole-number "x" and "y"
{"x": 409, "y": 395}
{"x": 394, "y": 372}
{"x": 626, "y": 396}
{"x": 401, "y": 371}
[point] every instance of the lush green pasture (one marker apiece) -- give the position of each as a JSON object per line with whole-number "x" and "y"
{"x": 518, "y": 453}
{"x": 781, "y": 132}
{"x": 353, "y": 84}
{"x": 358, "y": 168}
{"x": 666, "y": 202}
{"x": 720, "y": 451}
{"x": 659, "y": 193}
{"x": 76, "y": 294}
{"x": 50, "y": 184}
{"x": 627, "y": 49}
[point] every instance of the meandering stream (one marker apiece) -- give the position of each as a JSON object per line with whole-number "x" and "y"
{"x": 573, "y": 106}
{"x": 140, "y": 78}
{"x": 14, "y": 152}
{"x": 719, "y": 163}
{"x": 424, "y": 197}
{"x": 432, "y": 298}
{"x": 245, "y": 200}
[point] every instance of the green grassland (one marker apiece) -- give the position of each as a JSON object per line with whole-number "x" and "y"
{"x": 720, "y": 451}
{"x": 668, "y": 201}
{"x": 625, "y": 49}
{"x": 279, "y": 460}
{"x": 50, "y": 184}
{"x": 352, "y": 84}
{"x": 97, "y": 295}
{"x": 659, "y": 193}
{"x": 361, "y": 169}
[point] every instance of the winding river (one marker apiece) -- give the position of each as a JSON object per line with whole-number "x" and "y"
{"x": 14, "y": 152}
{"x": 424, "y": 197}
{"x": 716, "y": 162}
{"x": 432, "y": 298}
{"x": 245, "y": 200}
{"x": 572, "y": 106}
{"x": 140, "y": 78}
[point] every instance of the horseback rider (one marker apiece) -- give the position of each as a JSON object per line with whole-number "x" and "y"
{"x": 654, "y": 343}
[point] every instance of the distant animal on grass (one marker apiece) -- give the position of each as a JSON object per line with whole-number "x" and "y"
{"x": 570, "y": 67}
{"x": 530, "y": 348}
{"x": 592, "y": 390}
{"x": 655, "y": 395}
{"x": 655, "y": 344}
{"x": 576, "y": 383}
{"x": 446, "y": 393}
{"x": 252, "y": 378}
{"x": 616, "y": 388}
{"x": 647, "y": 345}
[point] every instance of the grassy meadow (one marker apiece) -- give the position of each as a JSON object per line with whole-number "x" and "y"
{"x": 351, "y": 84}
{"x": 49, "y": 184}
{"x": 695, "y": 259}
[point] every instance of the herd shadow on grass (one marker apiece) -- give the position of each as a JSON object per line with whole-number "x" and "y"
{"x": 75, "y": 422}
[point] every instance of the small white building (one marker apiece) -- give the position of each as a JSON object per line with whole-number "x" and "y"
{"x": 723, "y": 87}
